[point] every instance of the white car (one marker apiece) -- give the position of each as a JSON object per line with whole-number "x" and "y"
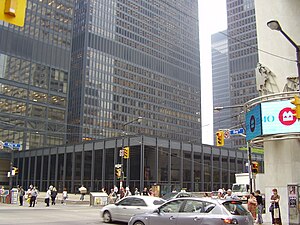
{"x": 126, "y": 207}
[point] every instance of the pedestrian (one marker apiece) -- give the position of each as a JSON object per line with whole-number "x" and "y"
{"x": 112, "y": 196}
{"x": 122, "y": 193}
{"x": 252, "y": 203}
{"x": 136, "y": 191}
{"x": 53, "y": 195}
{"x": 127, "y": 192}
{"x": 260, "y": 206}
{"x": 220, "y": 194}
{"x": 274, "y": 208}
{"x": 82, "y": 191}
{"x": 151, "y": 193}
{"x": 145, "y": 191}
{"x": 21, "y": 195}
{"x": 64, "y": 196}
{"x": 230, "y": 195}
{"x": 33, "y": 197}
{"x": 48, "y": 196}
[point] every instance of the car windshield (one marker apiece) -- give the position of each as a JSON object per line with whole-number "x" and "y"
{"x": 169, "y": 195}
{"x": 235, "y": 208}
{"x": 239, "y": 188}
{"x": 158, "y": 202}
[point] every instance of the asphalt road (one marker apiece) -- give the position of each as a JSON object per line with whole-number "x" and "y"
{"x": 58, "y": 214}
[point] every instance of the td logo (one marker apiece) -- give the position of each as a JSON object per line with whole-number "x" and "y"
{"x": 286, "y": 116}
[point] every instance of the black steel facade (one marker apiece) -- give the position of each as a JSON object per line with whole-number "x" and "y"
{"x": 169, "y": 163}
{"x": 135, "y": 58}
{"x": 34, "y": 75}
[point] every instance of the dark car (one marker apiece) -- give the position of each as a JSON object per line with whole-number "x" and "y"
{"x": 191, "y": 211}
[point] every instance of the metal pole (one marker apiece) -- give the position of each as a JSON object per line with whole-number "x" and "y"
{"x": 122, "y": 162}
{"x": 297, "y": 53}
{"x": 249, "y": 166}
{"x": 11, "y": 169}
{"x": 298, "y": 65}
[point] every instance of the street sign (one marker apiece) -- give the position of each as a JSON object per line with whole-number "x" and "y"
{"x": 121, "y": 152}
{"x": 226, "y": 134}
{"x": 237, "y": 131}
{"x": 11, "y": 145}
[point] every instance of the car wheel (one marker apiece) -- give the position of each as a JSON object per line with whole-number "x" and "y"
{"x": 138, "y": 223}
{"x": 106, "y": 217}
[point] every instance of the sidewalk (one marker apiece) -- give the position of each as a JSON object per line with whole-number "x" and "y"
{"x": 72, "y": 198}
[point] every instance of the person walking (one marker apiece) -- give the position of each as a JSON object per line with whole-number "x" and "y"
{"x": 64, "y": 196}
{"x": 127, "y": 192}
{"x": 136, "y": 191}
{"x": 260, "y": 206}
{"x": 53, "y": 196}
{"x": 82, "y": 191}
{"x": 274, "y": 208}
{"x": 48, "y": 196}
{"x": 252, "y": 203}
{"x": 21, "y": 195}
{"x": 33, "y": 197}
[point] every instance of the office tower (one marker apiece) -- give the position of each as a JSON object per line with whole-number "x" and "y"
{"x": 130, "y": 59}
{"x": 220, "y": 82}
{"x": 34, "y": 75}
{"x": 243, "y": 58}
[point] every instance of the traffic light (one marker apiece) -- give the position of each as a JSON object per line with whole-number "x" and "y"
{"x": 13, "y": 11}
{"x": 296, "y": 101}
{"x": 126, "y": 152}
{"x": 118, "y": 171}
{"x": 220, "y": 138}
{"x": 255, "y": 167}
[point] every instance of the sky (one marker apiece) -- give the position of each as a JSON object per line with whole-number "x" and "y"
{"x": 212, "y": 19}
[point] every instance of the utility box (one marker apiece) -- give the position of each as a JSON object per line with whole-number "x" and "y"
{"x": 98, "y": 198}
{"x": 14, "y": 196}
{"x": 293, "y": 204}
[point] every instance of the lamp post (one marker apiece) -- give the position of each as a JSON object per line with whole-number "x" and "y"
{"x": 139, "y": 120}
{"x": 274, "y": 25}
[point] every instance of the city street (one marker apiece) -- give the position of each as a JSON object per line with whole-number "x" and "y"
{"x": 59, "y": 214}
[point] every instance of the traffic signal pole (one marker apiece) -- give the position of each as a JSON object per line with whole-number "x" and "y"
{"x": 249, "y": 166}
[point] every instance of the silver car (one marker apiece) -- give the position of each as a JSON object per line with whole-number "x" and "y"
{"x": 125, "y": 208}
{"x": 196, "y": 211}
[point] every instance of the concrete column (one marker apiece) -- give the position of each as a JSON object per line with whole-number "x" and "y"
{"x": 282, "y": 166}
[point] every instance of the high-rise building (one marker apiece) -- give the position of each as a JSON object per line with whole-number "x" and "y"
{"x": 243, "y": 58}
{"x": 135, "y": 58}
{"x": 220, "y": 82}
{"x": 34, "y": 75}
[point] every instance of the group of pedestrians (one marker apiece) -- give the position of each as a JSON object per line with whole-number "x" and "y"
{"x": 32, "y": 193}
{"x": 255, "y": 205}
{"x": 116, "y": 194}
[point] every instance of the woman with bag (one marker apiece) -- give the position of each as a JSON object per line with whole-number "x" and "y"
{"x": 274, "y": 208}
{"x": 252, "y": 203}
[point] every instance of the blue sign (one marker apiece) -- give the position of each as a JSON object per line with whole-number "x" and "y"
{"x": 253, "y": 123}
{"x": 11, "y": 145}
{"x": 237, "y": 131}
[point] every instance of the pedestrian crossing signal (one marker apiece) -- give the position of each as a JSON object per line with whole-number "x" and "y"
{"x": 255, "y": 167}
{"x": 220, "y": 138}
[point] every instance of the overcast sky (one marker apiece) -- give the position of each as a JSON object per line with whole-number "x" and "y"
{"x": 212, "y": 19}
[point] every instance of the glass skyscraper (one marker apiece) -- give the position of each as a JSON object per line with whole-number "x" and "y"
{"x": 34, "y": 75}
{"x": 243, "y": 58}
{"x": 130, "y": 59}
{"x": 220, "y": 82}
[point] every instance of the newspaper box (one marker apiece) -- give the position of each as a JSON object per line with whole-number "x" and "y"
{"x": 98, "y": 198}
